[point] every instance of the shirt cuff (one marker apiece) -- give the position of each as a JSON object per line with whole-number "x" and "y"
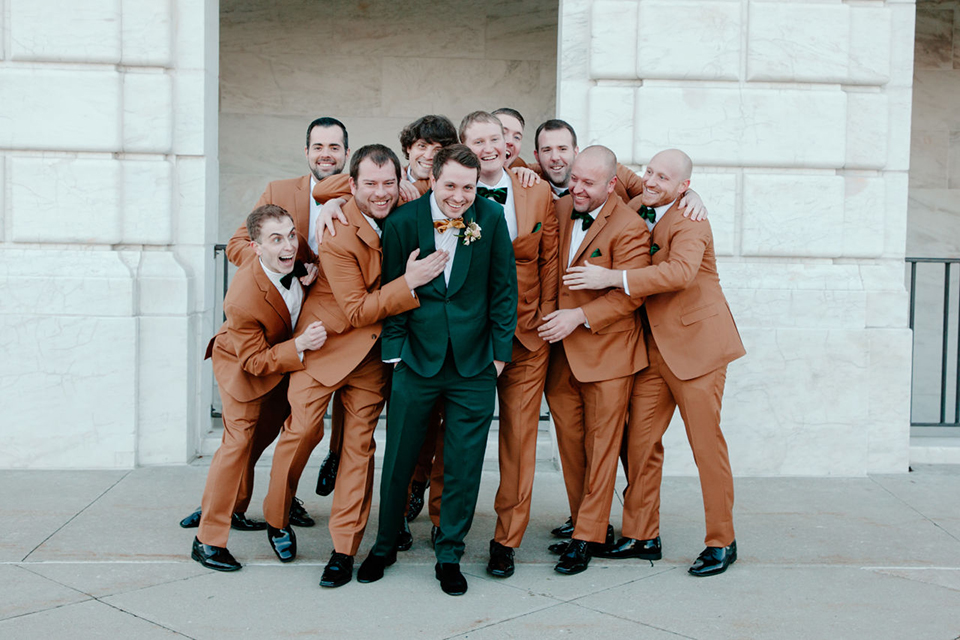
{"x": 626, "y": 287}
{"x": 300, "y": 355}
{"x": 392, "y": 361}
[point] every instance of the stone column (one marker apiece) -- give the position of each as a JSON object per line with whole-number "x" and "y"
{"x": 797, "y": 117}
{"x": 108, "y": 161}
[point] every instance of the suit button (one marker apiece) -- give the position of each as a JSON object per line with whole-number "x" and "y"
{"x": 447, "y": 301}
{"x": 373, "y": 336}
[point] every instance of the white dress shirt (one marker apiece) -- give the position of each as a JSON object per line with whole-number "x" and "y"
{"x": 314, "y": 214}
{"x": 446, "y": 241}
{"x": 293, "y": 297}
{"x": 650, "y": 225}
{"x": 578, "y": 233}
{"x": 373, "y": 223}
{"x": 509, "y": 209}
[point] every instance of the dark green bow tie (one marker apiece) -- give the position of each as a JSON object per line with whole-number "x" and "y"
{"x": 562, "y": 193}
{"x": 497, "y": 195}
{"x": 585, "y": 219}
{"x": 648, "y": 213}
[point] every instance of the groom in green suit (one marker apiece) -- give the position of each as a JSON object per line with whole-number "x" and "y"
{"x": 452, "y": 347}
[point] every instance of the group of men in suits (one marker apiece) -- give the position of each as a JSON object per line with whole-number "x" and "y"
{"x": 590, "y": 285}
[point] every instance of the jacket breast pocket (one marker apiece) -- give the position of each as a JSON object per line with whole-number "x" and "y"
{"x": 699, "y": 314}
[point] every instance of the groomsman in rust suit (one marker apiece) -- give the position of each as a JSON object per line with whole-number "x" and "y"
{"x": 513, "y": 124}
{"x": 252, "y": 354}
{"x": 598, "y": 347}
{"x": 691, "y": 339}
{"x": 348, "y": 300}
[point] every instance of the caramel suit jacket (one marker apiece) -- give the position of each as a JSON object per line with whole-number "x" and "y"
{"x": 689, "y": 315}
{"x": 254, "y": 348}
{"x": 348, "y": 299}
{"x": 613, "y": 345}
{"x": 629, "y": 184}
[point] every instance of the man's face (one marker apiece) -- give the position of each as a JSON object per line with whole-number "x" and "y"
{"x": 486, "y": 140}
{"x": 555, "y": 153}
{"x": 421, "y": 155}
{"x": 589, "y": 184}
{"x": 513, "y": 134}
{"x": 376, "y": 190}
{"x": 455, "y": 189}
{"x": 661, "y": 182}
{"x": 326, "y": 154}
{"x": 277, "y": 245}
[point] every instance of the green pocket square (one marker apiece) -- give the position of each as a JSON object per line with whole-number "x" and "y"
{"x": 595, "y": 254}
{"x": 654, "y": 248}
{"x": 536, "y": 227}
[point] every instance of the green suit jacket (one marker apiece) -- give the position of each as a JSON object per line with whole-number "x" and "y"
{"x": 476, "y": 313}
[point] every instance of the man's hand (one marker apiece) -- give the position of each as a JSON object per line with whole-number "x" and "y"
{"x": 420, "y": 272}
{"x": 561, "y": 323}
{"x": 528, "y": 177}
{"x": 312, "y": 338}
{"x": 330, "y": 210}
{"x": 408, "y": 192}
{"x": 592, "y": 277}
{"x": 691, "y": 206}
{"x": 312, "y": 272}
{"x": 499, "y": 364}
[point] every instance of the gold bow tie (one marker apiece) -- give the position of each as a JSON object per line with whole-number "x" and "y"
{"x": 443, "y": 225}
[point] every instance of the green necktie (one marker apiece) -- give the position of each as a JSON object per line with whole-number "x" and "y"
{"x": 497, "y": 195}
{"x": 585, "y": 219}
{"x": 648, "y": 213}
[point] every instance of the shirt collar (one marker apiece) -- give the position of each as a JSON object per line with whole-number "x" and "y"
{"x": 557, "y": 190}
{"x": 373, "y": 223}
{"x": 272, "y": 275}
{"x": 410, "y": 175}
{"x": 593, "y": 214}
{"x": 435, "y": 208}
{"x": 662, "y": 210}
{"x": 504, "y": 181}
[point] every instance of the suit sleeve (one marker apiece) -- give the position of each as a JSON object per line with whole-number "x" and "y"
{"x": 631, "y": 181}
{"x": 336, "y": 186}
{"x": 631, "y": 250}
{"x": 238, "y": 248}
{"x": 394, "y": 327}
{"x": 254, "y": 353}
{"x": 688, "y": 242}
{"x": 346, "y": 280}
{"x": 502, "y": 290}
{"x": 549, "y": 260}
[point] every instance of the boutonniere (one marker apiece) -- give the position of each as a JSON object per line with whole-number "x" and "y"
{"x": 470, "y": 233}
{"x": 654, "y": 248}
{"x": 595, "y": 254}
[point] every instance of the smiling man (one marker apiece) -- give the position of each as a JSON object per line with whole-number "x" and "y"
{"x": 513, "y": 125}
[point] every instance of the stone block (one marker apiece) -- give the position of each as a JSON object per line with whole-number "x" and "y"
{"x": 902, "y": 37}
{"x": 574, "y": 32}
{"x": 147, "y": 202}
{"x": 147, "y": 33}
{"x": 64, "y": 200}
{"x": 864, "y": 217}
{"x": 797, "y": 308}
{"x": 868, "y": 130}
{"x": 613, "y": 39}
{"x": 719, "y": 194}
{"x": 798, "y": 42}
{"x": 790, "y": 215}
{"x": 709, "y": 48}
{"x": 196, "y": 31}
{"x": 75, "y": 110}
{"x": 147, "y": 112}
{"x": 743, "y": 127}
{"x": 572, "y": 103}
{"x": 933, "y": 47}
{"x": 953, "y": 160}
{"x": 934, "y": 93}
{"x": 933, "y": 222}
{"x": 803, "y": 276}
{"x": 189, "y": 110}
{"x": 887, "y": 309}
{"x": 888, "y": 388}
{"x": 162, "y": 414}
{"x": 898, "y": 144}
{"x": 163, "y": 285}
{"x": 611, "y": 121}
{"x": 516, "y": 30}
{"x": 65, "y": 30}
{"x": 896, "y": 221}
{"x": 929, "y": 152}
{"x": 194, "y": 226}
{"x": 870, "y": 45}
{"x": 3, "y": 193}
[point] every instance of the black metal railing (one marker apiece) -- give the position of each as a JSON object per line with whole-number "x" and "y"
{"x": 931, "y": 291}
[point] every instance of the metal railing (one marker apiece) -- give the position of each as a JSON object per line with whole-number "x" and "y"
{"x": 928, "y": 318}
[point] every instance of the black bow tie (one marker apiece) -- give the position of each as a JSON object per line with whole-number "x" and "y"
{"x": 497, "y": 195}
{"x": 298, "y": 271}
{"x": 560, "y": 194}
{"x": 585, "y": 219}
{"x": 648, "y": 213}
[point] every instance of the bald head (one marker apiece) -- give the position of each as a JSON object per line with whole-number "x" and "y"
{"x": 592, "y": 178}
{"x": 667, "y": 177}
{"x": 600, "y": 157}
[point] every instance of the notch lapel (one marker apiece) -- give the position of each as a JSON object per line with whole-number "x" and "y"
{"x": 461, "y": 259}
{"x": 520, "y": 207}
{"x": 598, "y": 224}
{"x": 272, "y": 296}
{"x": 425, "y": 236}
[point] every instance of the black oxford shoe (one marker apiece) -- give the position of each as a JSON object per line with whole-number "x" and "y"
{"x": 372, "y": 568}
{"x": 631, "y": 548}
{"x": 415, "y": 506}
{"x": 714, "y": 560}
{"x": 283, "y": 542}
{"x": 338, "y": 572}
{"x": 434, "y": 532}
{"x": 558, "y": 548}
{"x": 192, "y": 521}
{"x": 217, "y": 558}
{"x": 575, "y": 559}
{"x": 404, "y": 538}
{"x": 563, "y": 531}
{"x": 451, "y": 580}
{"x": 299, "y": 515}
{"x": 501, "y": 560}
{"x": 240, "y": 522}
{"x": 328, "y": 474}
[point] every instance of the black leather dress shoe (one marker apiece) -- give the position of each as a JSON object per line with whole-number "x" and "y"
{"x": 575, "y": 559}
{"x": 328, "y": 474}
{"x": 631, "y": 548}
{"x": 404, "y": 538}
{"x": 211, "y": 557}
{"x": 299, "y": 515}
{"x": 558, "y": 548}
{"x": 415, "y": 506}
{"x": 240, "y": 522}
{"x": 434, "y": 532}
{"x": 563, "y": 531}
{"x": 283, "y": 542}
{"x": 372, "y": 568}
{"x": 192, "y": 521}
{"x": 501, "y": 560}
{"x": 338, "y": 572}
{"x": 451, "y": 580}
{"x": 714, "y": 560}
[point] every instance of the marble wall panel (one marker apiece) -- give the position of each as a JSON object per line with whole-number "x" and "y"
{"x": 709, "y": 49}
{"x": 193, "y": 225}
{"x": 953, "y": 160}
{"x": 933, "y": 47}
{"x": 734, "y": 127}
{"x": 887, "y": 309}
{"x": 189, "y": 125}
{"x": 864, "y": 217}
{"x": 65, "y": 30}
{"x": 895, "y": 238}
{"x": 573, "y": 62}
{"x": 162, "y": 383}
{"x": 719, "y": 194}
{"x": 801, "y": 309}
{"x": 929, "y": 159}
{"x": 797, "y": 42}
{"x": 3, "y": 194}
{"x": 791, "y": 215}
{"x": 611, "y": 121}
{"x": 902, "y": 25}
{"x": 888, "y": 388}
{"x": 613, "y": 39}
{"x": 520, "y": 29}
{"x": 79, "y": 200}
{"x": 34, "y": 112}
{"x": 934, "y": 94}
{"x": 147, "y": 33}
{"x": 901, "y": 104}
{"x": 146, "y": 208}
{"x": 868, "y": 130}
{"x": 871, "y": 31}
{"x": 147, "y": 112}
{"x": 933, "y": 223}
{"x": 68, "y": 391}
{"x": 799, "y": 276}
{"x": 195, "y": 45}
{"x": 163, "y": 288}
